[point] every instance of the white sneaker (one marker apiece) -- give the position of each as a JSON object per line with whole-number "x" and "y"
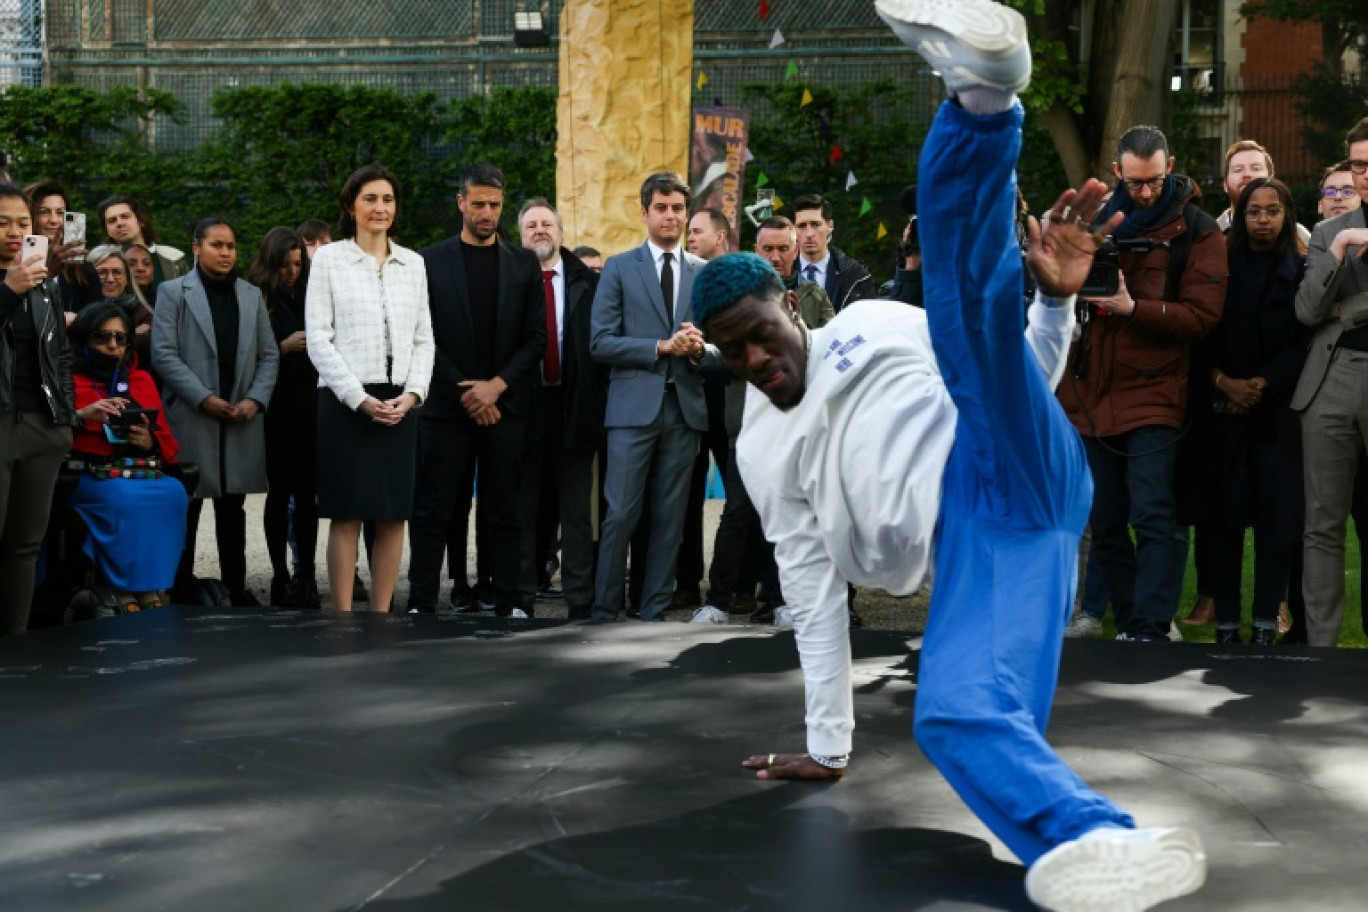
{"x": 1116, "y": 870}
{"x": 518, "y": 614}
{"x": 968, "y": 42}
{"x": 709, "y": 614}
{"x": 783, "y": 618}
{"x": 1083, "y": 625}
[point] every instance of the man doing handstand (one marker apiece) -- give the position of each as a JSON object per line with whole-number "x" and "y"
{"x": 895, "y": 437}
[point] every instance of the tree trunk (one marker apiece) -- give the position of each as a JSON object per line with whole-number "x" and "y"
{"x": 1129, "y": 71}
{"x": 1063, "y": 127}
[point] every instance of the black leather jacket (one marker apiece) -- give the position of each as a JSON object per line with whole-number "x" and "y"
{"x": 54, "y": 353}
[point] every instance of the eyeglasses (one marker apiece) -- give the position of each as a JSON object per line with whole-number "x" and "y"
{"x": 1358, "y": 167}
{"x": 1343, "y": 193}
{"x": 1155, "y": 184}
{"x": 110, "y": 335}
{"x": 1272, "y": 213}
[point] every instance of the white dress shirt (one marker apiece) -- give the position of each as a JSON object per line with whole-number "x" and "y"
{"x": 848, "y": 481}
{"x": 822, "y": 264}
{"x": 676, "y": 264}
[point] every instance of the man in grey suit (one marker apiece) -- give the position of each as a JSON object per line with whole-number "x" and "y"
{"x": 1332, "y": 394}
{"x": 656, "y": 408}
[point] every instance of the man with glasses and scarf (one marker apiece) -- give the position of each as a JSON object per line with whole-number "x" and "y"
{"x": 1126, "y": 384}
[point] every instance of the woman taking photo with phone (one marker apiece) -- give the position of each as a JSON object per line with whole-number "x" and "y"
{"x": 36, "y": 410}
{"x": 135, "y": 526}
{"x": 370, "y": 337}
{"x": 49, "y": 207}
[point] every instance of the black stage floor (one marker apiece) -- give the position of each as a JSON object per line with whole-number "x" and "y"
{"x": 283, "y": 761}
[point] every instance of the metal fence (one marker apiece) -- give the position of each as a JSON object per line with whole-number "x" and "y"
{"x": 453, "y": 48}
{"x": 21, "y": 42}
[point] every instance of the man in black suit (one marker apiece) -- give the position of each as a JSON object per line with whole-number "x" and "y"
{"x": 488, "y": 319}
{"x": 565, "y": 416}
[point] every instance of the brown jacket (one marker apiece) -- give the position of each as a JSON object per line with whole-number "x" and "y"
{"x": 1136, "y": 368}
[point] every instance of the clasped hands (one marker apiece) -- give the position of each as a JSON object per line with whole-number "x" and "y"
{"x": 230, "y": 413}
{"x": 687, "y": 342}
{"x": 388, "y": 412}
{"x": 1242, "y": 396}
{"x": 480, "y": 400}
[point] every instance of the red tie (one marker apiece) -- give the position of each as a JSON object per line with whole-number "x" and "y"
{"x": 551, "y": 362}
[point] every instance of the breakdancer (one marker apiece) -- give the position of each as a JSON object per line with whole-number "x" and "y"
{"x": 896, "y": 437}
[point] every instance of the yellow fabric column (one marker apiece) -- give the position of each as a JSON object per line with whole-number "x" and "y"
{"x": 623, "y": 112}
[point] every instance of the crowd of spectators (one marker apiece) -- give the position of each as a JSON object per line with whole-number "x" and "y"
{"x": 1217, "y": 379}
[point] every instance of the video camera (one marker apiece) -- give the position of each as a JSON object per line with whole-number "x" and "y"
{"x": 1104, "y": 279}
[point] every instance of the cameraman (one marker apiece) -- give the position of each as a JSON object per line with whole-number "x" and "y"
{"x": 1125, "y": 387}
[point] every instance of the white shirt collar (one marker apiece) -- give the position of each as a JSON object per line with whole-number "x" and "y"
{"x": 656, "y": 252}
{"x": 822, "y": 264}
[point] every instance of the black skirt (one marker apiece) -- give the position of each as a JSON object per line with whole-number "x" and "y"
{"x": 365, "y": 470}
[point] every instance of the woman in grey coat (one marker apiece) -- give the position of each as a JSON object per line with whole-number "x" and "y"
{"x": 213, "y": 347}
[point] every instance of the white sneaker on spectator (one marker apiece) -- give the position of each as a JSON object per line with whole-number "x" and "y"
{"x": 518, "y": 614}
{"x": 1083, "y": 625}
{"x": 710, "y": 614}
{"x": 970, "y": 43}
{"x": 1116, "y": 870}
{"x": 783, "y": 618}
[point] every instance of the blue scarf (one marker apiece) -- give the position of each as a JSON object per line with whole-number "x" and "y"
{"x": 1138, "y": 220}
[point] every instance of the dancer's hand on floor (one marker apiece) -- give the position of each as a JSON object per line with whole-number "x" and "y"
{"x": 789, "y": 766}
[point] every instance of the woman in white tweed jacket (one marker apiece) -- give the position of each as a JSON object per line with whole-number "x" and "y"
{"x": 369, "y": 334}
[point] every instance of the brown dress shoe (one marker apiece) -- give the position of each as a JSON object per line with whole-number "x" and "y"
{"x": 1203, "y": 612}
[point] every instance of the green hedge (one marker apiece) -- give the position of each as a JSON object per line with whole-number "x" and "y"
{"x": 281, "y": 153}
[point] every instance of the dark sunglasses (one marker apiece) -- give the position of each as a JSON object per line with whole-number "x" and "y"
{"x": 110, "y": 335}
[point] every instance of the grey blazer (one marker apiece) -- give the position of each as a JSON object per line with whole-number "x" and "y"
{"x": 1326, "y": 284}
{"x": 627, "y": 321}
{"x": 185, "y": 355}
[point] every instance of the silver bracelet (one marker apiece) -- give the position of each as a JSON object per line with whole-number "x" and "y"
{"x": 838, "y": 762}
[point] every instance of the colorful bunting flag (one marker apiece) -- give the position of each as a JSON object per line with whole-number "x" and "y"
{"x": 836, "y": 154}
{"x": 777, "y": 39}
{"x": 807, "y": 99}
{"x": 764, "y": 9}
{"x": 761, "y": 180}
{"x": 791, "y": 70}
{"x": 883, "y": 232}
{"x": 850, "y": 180}
{"x": 702, "y": 80}
{"x": 750, "y": 156}
{"x": 865, "y": 206}
{"x": 778, "y": 202}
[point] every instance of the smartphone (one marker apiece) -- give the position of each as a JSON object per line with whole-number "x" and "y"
{"x": 74, "y": 231}
{"x": 35, "y": 245}
{"x": 130, "y": 416}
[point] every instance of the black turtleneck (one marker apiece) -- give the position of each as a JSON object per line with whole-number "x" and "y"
{"x": 223, "y": 307}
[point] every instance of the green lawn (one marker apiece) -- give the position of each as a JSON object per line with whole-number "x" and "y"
{"x": 1351, "y": 634}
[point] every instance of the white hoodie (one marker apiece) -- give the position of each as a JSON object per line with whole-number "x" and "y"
{"x": 848, "y": 481}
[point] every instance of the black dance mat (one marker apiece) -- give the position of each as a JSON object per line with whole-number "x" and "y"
{"x": 288, "y": 761}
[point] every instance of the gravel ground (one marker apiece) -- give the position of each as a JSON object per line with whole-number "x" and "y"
{"x": 878, "y": 609}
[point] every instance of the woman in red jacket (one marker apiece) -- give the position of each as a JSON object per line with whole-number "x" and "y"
{"x": 133, "y": 512}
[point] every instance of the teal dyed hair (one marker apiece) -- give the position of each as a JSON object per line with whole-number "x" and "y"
{"x": 728, "y": 279}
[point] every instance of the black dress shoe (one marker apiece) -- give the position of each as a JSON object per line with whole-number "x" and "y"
{"x": 1263, "y": 636}
{"x": 762, "y": 615}
{"x": 684, "y": 599}
{"x": 282, "y": 592}
{"x": 306, "y": 591}
{"x": 243, "y": 599}
{"x": 1228, "y": 636}
{"x": 549, "y": 592}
